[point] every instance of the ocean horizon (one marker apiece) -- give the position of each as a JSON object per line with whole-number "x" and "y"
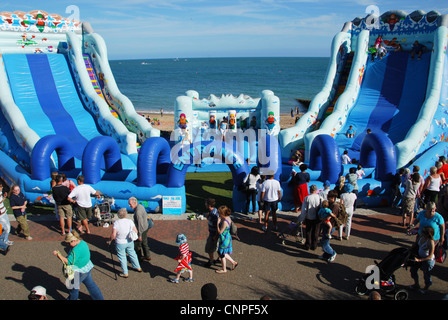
{"x": 152, "y": 84}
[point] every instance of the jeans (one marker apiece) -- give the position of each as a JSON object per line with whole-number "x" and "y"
{"x": 325, "y": 242}
{"x": 426, "y": 267}
{"x": 122, "y": 250}
{"x": 86, "y": 278}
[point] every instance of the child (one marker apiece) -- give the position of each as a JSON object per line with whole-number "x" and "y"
{"x": 350, "y": 132}
{"x": 360, "y": 172}
{"x": 345, "y": 158}
{"x": 184, "y": 259}
{"x": 325, "y": 214}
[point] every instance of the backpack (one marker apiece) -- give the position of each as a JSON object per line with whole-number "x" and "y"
{"x": 342, "y": 216}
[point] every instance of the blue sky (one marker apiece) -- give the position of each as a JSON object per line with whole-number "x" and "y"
{"x": 219, "y": 28}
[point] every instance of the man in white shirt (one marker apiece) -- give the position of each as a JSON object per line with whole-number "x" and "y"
{"x": 271, "y": 194}
{"x": 84, "y": 204}
{"x": 310, "y": 207}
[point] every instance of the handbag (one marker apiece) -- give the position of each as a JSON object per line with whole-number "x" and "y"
{"x": 440, "y": 253}
{"x": 132, "y": 234}
{"x": 68, "y": 271}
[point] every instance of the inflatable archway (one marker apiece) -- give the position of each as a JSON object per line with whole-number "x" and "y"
{"x": 184, "y": 155}
{"x": 96, "y": 150}
{"x": 377, "y": 150}
{"x": 324, "y": 155}
{"x": 41, "y": 156}
{"x": 154, "y": 154}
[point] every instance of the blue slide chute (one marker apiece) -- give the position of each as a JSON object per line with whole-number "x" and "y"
{"x": 41, "y": 156}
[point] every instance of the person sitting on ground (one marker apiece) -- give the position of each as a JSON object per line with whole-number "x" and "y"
{"x": 296, "y": 159}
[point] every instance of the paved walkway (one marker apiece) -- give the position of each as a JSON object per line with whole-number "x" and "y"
{"x": 283, "y": 270}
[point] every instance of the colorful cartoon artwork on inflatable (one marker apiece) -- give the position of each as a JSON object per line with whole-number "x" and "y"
{"x": 399, "y": 96}
{"x": 57, "y": 92}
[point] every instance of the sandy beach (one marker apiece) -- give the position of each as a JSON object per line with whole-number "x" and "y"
{"x": 167, "y": 121}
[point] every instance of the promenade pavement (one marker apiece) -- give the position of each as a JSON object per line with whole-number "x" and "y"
{"x": 267, "y": 266}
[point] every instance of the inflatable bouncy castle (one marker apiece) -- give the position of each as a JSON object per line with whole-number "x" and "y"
{"x": 61, "y": 110}
{"x": 383, "y": 102}
{"x": 213, "y": 118}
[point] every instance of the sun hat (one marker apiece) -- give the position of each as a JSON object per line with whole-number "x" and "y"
{"x": 326, "y": 183}
{"x": 70, "y": 237}
{"x": 181, "y": 239}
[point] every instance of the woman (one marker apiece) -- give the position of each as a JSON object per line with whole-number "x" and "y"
{"x": 425, "y": 259}
{"x": 123, "y": 243}
{"x": 225, "y": 239}
{"x": 429, "y": 217}
{"x": 18, "y": 203}
{"x": 79, "y": 258}
{"x": 348, "y": 199}
{"x": 339, "y": 186}
{"x": 301, "y": 180}
{"x": 432, "y": 184}
{"x": 251, "y": 194}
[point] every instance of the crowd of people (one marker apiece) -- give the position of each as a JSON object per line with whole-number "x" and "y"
{"x": 323, "y": 212}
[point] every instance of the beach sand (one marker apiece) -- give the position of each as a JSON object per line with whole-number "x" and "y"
{"x": 167, "y": 121}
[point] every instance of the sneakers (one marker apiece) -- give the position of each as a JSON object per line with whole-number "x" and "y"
{"x": 332, "y": 258}
{"x": 185, "y": 280}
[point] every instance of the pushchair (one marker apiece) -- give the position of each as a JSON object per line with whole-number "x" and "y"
{"x": 295, "y": 229}
{"x": 396, "y": 259}
{"x": 103, "y": 211}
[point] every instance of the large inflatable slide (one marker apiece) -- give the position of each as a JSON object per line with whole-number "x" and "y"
{"x": 396, "y": 94}
{"x": 61, "y": 111}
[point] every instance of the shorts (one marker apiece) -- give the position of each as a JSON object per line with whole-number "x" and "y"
{"x": 271, "y": 206}
{"x": 211, "y": 245}
{"x": 65, "y": 211}
{"x": 84, "y": 213}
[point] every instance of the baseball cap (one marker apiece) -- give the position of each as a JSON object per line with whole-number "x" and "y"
{"x": 39, "y": 290}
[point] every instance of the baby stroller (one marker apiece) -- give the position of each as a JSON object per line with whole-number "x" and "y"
{"x": 397, "y": 258}
{"x": 102, "y": 211}
{"x": 295, "y": 229}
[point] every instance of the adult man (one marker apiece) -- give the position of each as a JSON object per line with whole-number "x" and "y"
{"x": 211, "y": 245}
{"x": 84, "y": 204}
{"x": 271, "y": 194}
{"x": 141, "y": 223}
{"x": 60, "y": 194}
{"x": 310, "y": 207}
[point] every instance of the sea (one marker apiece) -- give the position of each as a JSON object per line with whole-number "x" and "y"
{"x": 153, "y": 84}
